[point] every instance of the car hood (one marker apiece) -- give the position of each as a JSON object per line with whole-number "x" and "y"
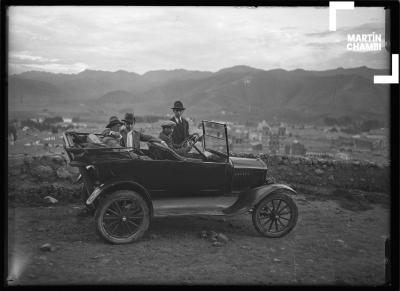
{"x": 246, "y": 163}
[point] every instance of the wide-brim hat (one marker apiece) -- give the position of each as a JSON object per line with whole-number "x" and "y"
{"x": 129, "y": 118}
{"x": 113, "y": 121}
{"x": 168, "y": 123}
{"x": 178, "y": 105}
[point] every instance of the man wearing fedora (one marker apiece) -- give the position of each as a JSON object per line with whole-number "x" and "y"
{"x": 132, "y": 138}
{"x": 181, "y": 130}
{"x": 112, "y": 137}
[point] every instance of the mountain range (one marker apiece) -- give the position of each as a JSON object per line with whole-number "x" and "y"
{"x": 238, "y": 93}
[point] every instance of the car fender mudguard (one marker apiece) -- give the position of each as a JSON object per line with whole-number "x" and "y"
{"x": 119, "y": 184}
{"x": 249, "y": 198}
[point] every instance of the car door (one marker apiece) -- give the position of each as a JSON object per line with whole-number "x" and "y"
{"x": 199, "y": 178}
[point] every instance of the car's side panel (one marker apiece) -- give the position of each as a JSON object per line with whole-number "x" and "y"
{"x": 249, "y": 198}
{"x": 172, "y": 177}
{"x": 247, "y": 173}
{"x": 247, "y": 178}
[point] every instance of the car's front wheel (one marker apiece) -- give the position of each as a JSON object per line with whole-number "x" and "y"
{"x": 275, "y": 215}
{"x": 122, "y": 217}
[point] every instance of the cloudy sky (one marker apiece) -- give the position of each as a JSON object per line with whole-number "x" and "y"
{"x": 68, "y": 39}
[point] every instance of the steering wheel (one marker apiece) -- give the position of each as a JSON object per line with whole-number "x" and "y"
{"x": 191, "y": 141}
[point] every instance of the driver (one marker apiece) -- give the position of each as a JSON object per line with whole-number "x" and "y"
{"x": 166, "y": 135}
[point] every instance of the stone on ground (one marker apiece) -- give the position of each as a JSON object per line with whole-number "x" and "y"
{"x": 50, "y": 200}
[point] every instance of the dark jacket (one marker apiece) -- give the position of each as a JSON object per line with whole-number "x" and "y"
{"x": 137, "y": 137}
{"x": 181, "y": 131}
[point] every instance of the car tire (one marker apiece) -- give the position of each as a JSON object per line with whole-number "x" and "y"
{"x": 122, "y": 217}
{"x": 275, "y": 215}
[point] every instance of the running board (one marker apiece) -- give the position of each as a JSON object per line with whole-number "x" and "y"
{"x": 192, "y": 206}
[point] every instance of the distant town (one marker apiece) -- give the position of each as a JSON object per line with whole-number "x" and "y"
{"x": 277, "y": 137}
{"x": 44, "y": 133}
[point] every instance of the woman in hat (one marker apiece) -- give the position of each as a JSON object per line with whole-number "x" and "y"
{"x": 181, "y": 130}
{"x": 111, "y": 134}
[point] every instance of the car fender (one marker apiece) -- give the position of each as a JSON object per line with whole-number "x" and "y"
{"x": 249, "y": 198}
{"x": 119, "y": 184}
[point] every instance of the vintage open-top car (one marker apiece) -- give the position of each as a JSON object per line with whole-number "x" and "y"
{"x": 126, "y": 188}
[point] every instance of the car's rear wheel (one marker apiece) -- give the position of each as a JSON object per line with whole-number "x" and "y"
{"x": 122, "y": 217}
{"x": 275, "y": 215}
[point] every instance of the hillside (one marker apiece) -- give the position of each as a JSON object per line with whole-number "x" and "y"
{"x": 237, "y": 93}
{"x": 117, "y": 96}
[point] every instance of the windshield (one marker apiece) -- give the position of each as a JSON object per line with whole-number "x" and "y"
{"x": 215, "y": 137}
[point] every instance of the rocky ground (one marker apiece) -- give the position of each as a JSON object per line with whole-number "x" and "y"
{"x": 339, "y": 240}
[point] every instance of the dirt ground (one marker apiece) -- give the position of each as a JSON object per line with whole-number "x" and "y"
{"x": 335, "y": 242}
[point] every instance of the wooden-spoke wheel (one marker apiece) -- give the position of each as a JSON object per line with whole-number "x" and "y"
{"x": 122, "y": 217}
{"x": 275, "y": 215}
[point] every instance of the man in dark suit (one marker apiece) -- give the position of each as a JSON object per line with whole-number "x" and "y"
{"x": 132, "y": 138}
{"x": 181, "y": 130}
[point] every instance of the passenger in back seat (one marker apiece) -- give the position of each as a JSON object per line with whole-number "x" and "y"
{"x": 112, "y": 137}
{"x": 132, "y": 138}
